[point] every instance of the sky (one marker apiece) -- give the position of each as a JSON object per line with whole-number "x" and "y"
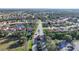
{"x": 39, "y": 3}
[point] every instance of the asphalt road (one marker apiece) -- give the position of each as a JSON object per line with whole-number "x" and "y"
{"x": 39, "y": 32}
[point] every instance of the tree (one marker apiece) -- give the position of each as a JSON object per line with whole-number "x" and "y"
{"x": 51, "y": 44}
{"x": 68, "y": 37}
{"x": 77, "y": 36}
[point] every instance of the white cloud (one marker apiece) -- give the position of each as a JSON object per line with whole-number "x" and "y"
{"x": 39, "y": 3}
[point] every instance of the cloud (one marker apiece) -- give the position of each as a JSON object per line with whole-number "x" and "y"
{"x": 39, "y": 3}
